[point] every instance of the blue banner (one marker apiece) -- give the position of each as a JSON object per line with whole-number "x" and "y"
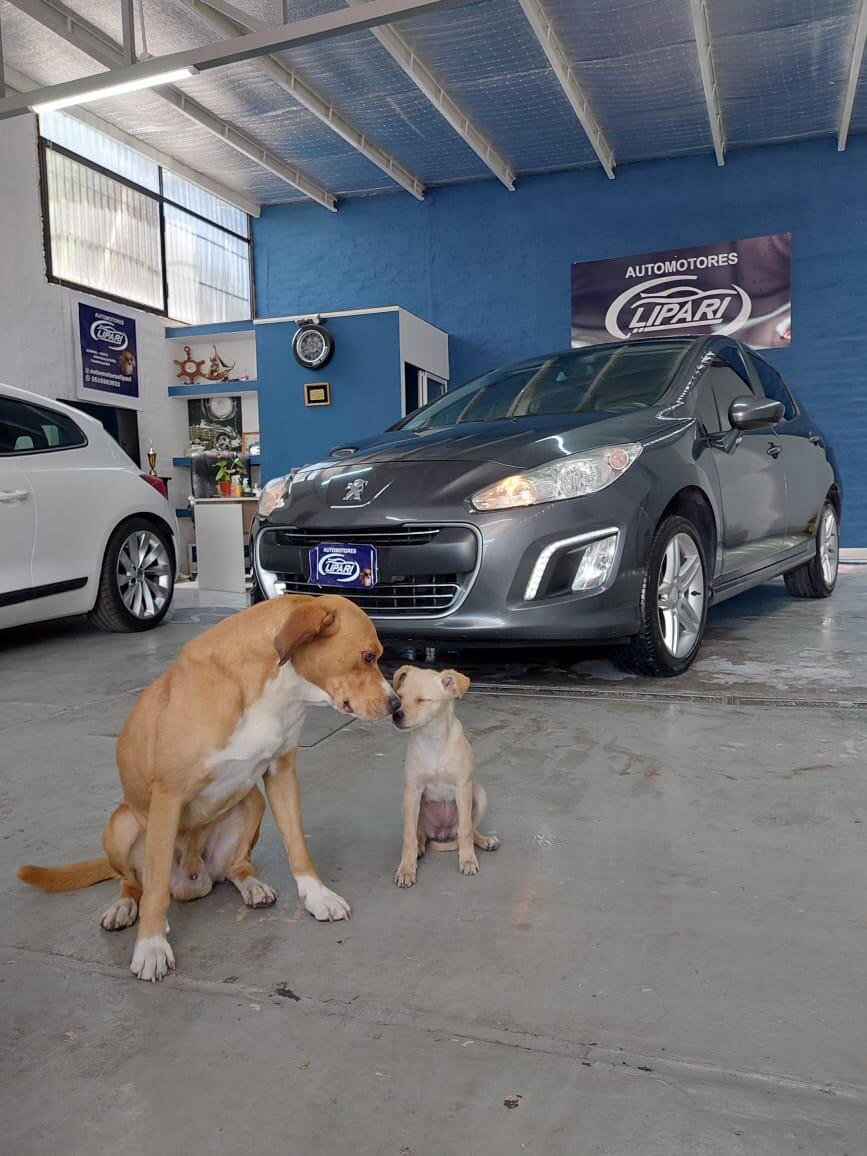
{"x": 109, "y": 358}
{"x": 335, "y": 564}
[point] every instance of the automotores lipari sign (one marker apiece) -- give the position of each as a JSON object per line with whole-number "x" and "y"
{"x": 741, "y": 288}
{"x": 109, "y": 360}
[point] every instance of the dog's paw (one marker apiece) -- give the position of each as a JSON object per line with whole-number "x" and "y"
{"x": 152, "y": 959}
{"x": 122, "y": 913}
{"x": 255, "y": 893}
{"x": 469, "y": 865}
{"x": 320, "y": 901}
{"x": 488, "y": 843}
{"x": 404, "y": 876}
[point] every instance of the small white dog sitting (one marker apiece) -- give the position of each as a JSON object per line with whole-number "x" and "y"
{"x": 441, "y": 802}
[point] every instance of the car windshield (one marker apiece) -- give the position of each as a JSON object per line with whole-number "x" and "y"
{"x": 595, "y": 379}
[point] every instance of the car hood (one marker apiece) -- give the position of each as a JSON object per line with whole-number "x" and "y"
{"x": 516, "y": 442}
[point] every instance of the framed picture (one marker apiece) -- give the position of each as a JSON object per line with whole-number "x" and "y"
{"x": 250, "y": 443}
{"x": 215, "y": 422}
{"x": 317, "y": 393}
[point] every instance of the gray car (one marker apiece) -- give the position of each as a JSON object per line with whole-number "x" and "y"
{"x": 608, "y": 494}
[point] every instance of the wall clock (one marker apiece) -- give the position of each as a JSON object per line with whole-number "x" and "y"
{"x": 312, "y": 345}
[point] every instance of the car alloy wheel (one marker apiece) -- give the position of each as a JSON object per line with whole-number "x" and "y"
{"x": 829, "y": 545}
{"x": 673, "y": 603}
{"x": 680, "y": 595}
{"x": 144, "y": 574}
{"x": 818, "y": 577}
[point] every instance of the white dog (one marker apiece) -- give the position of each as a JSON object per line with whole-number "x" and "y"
{"x": 441, "y": 802}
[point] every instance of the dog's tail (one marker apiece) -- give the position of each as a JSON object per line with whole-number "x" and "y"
{"x": 436, "y": 845}
{"x": 68, "y": 878}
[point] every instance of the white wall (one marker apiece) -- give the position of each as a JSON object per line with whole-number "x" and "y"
{"x": 39, "y": 321}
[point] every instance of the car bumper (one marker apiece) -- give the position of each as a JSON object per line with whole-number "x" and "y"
{"x": 514, "y": 569}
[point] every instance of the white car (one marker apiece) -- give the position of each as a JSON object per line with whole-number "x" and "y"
{"x": 82, "y": 529}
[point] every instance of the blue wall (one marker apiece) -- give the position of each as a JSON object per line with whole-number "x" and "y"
{"x": 491, "y": 268}
{"x": 365, "y": 377}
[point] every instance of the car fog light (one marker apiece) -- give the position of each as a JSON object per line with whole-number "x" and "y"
{"x": 595, "y": 564}
{"x": 597, "y": 537}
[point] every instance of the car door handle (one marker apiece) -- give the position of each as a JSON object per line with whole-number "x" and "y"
{"x": 774, "y": 450}
{"x": 12, "y": 495}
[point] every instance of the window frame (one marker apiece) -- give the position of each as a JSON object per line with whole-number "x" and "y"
{"x": 162, "y": 200}
{"x": 38, "y": 405}
{"x": 793, "y": 401}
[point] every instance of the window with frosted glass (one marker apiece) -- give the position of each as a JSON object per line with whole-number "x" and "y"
{"x": 208, "y": 270}
{"x": 105, "y": 235}
{"x": 118, "y": 224}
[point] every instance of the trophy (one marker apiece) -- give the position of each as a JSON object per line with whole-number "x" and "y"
{"x": 152, "y": 461}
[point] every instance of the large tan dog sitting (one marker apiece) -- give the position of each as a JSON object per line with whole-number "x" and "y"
{"x": 227, "y": 713}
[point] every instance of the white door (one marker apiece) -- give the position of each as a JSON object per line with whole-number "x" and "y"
{"x": 49, "y": 458}
{"x": 17, "y": 533}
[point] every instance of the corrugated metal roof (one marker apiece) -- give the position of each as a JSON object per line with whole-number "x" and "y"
{"x": 781, "y": 69}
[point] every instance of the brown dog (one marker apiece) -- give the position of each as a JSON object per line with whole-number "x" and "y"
{"x": 441, "y": 802}
{"x": 225, "y": 714}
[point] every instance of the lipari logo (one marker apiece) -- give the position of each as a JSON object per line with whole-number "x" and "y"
{"x": 105, "y": 330}
{"x": 671, "y": 304}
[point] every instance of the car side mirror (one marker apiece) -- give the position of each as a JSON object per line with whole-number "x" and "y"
{"x": 755, "y": 412}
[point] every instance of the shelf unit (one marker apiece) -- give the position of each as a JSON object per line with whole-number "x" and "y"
{"x": 212, "y": 388}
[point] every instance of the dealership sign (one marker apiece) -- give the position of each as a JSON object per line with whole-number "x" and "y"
{"x": 109, "y": 359}
{"x": 732, "y": 287}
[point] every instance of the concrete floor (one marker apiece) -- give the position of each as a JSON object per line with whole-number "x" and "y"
{"x": 665, "y": 957}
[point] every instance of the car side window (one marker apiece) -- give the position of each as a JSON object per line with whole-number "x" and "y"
{"x": 728, "y": 380}
{"x": 31, "y": 429}
{"x": 706, "y": 407}
{"x": 774, "y": 387}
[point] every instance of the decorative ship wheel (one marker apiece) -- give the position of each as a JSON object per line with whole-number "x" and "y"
{"x": 189, "y": 367}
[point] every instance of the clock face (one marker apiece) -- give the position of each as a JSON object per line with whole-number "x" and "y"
{"x": 312, "y": 346}
{"x": 221, "y": 407}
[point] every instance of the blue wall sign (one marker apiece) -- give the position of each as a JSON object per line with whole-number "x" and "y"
{"x": 109, "y": 358}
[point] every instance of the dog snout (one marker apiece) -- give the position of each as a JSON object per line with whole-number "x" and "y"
{"x": 398, "y": 716}
{"x": 394, "y": 705}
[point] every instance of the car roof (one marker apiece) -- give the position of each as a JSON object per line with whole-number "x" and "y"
{"x": 40, "y": 399}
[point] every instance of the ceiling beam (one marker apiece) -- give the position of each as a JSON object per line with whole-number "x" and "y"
{"x": 55, "y": 16}
{"x": 701, "y": 28}
{"x": 854, "y": 76}
{"x": 239, "y": 48}
{"x": 228, "y": 20}
{"x": 418, "y": 72}
{"x": 21, "y": 83}
{"x": 553, "y": 48}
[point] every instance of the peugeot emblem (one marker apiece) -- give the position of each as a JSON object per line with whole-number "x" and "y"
{"x": 354, "y": 490}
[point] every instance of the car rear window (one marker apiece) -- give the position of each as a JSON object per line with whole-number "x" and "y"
{"x": 599, "y": 379}
{"x": 26, "y": 428}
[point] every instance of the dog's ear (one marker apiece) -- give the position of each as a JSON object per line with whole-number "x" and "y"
{"x": 303, "y": 625}
{"x": 455, "y": 683}
{"x": 399, "y": 677}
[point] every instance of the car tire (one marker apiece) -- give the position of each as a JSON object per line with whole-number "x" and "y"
{"x": 673, "y": 613}
{"x": 818, "y": 577}
{"x": 136, "y": 584}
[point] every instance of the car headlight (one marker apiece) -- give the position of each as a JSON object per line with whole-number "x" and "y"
{"x": 274, "y": 495}
{"x": 571, "y": 477}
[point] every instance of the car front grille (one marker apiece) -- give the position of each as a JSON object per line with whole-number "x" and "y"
{"x": 424, "y": 570}
{"x": 389, "y": 536}
{"x": 412, "y": 596}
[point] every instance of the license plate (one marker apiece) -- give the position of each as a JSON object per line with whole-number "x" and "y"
{"x": 335, "y": 564}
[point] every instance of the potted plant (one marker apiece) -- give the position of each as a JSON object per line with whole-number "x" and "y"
{"x": 224, "y": 477}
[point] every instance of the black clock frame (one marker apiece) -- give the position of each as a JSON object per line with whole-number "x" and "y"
{"x": 307, "y": 327}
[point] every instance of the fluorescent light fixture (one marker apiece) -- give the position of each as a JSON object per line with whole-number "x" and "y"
{"x": 103, "y": 91}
